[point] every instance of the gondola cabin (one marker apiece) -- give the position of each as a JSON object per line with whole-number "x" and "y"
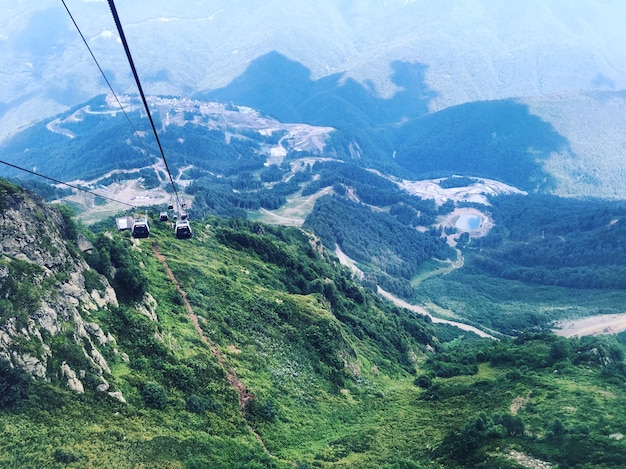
{"x": 182, "y": 230}
{"x": 141, "y": 228}
{"x": 163, "y": 216}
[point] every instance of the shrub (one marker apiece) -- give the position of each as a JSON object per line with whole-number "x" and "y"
{"x": 93, "y": 281}
{"x": 64, "y": 457}
{"x": 200, "y": 404}
{"x": 154, "y": 395}
{"x": 266, "y": 411}
{"x": 14, "y": 385}
{"x": 423, "y": 381}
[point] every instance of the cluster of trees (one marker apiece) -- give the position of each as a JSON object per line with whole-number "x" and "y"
{"x": 378, "y": 190}
{"x": 549, "y": 240}
{"x": 207, "y": 149}
{"x": 150, "y": 178}
{"x": 375, "y": 238}
{"x": 531, "y": 351}
{"x": 233, "y": 196}
{"x": 457, "y": 181}
{"x": 14, "y": 385}
{"x": 46, "y": 191}
{"x": 373, "y": 189}
{"x": 527, "y": 359}
{"x": 112, "y": 258}
{"x": 215, "y": 197}
{"x": 463, "y": 445}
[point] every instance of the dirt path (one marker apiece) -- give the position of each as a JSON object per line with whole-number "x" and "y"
{"x": 421, "y": 310}
{"x": 244, "y": 394}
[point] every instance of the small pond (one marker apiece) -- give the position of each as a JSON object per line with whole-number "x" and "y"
{"x": 468, "y": 222}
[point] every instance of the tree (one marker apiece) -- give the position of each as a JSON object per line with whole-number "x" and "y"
{"x": 423, "y": 381}
{"x": 14, "y": 385}
{"x": 154, "y": 395}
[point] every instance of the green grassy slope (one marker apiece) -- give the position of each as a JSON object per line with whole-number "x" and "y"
{"x": 331, "y": 368}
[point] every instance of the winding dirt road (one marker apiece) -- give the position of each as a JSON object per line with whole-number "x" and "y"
{"x": 421, "y": 310}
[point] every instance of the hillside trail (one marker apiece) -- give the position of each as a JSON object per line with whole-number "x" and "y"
{"x": 243, "y": 393}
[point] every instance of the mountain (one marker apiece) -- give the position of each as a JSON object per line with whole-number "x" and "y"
{"x": 479, "y": 50}
{"x": 411, "y": 237}
{"x": 285, "y": 89}
{"x": 250, "y": 346}
{"x": 96, "y": 138}
{"x": 499, "y": 140}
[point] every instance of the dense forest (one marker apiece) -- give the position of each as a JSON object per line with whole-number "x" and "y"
{"x": 374, "y": 238}
{"x": 484, "y": 139}
{"x": 548, "y": 240}
{"x": 546, "y": 258}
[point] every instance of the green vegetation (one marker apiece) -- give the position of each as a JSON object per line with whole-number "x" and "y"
{"x": 548, "y": 240}
{"x": 546, "y": 258}
{"x": 14, "y": 385}
{"x": 21, "y": 289}
{"x": 326, "y": 373}
{"x": 117, "y": 263}
{"x": 492, "y": 139}
{"x": 375, "y": 238}
{"x": 47, "y": 191}
{"x": 457, "y": 181}
{"x": 100, "y": 150}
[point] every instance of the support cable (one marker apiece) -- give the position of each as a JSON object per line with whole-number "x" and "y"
{"x": 106, "y": 79}
{"x": 66, "y": 183}
{"x": 143, "y": 97}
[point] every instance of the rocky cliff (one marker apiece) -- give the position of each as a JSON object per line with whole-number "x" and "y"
{"x": 47, "y": 296}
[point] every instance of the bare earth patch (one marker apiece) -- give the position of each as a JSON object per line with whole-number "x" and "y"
{"x": 519, "y": 403}
{"x": 593, "y": 325}
{"x": 527, "y": 461}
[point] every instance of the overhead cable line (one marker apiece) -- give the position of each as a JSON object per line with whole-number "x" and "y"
{"x": 105, "y": 78}
{"x": 143, "y": 97}
{"x": 66, "y": 183}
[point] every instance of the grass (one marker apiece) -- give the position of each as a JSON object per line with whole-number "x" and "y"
{"x": 293, "y": 213}
{"x": 375, "y": 416}
{"x": 506, "y": 305}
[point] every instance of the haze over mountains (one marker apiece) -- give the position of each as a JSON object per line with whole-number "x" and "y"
{"x": 466, "y": 51}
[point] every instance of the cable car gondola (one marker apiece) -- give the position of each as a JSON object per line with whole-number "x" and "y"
{"x": 182, "y": 230}
{"x": 141, "y": 228}
{"x": 163, "y": 216}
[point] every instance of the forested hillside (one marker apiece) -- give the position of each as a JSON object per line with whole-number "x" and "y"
{"x": 497, "y": 139}
{"x": 551, "y": 241}
{"x": 375, "y": 238}
{"x": 545, "y": 258}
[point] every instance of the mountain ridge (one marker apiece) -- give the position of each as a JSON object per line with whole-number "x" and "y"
{"x": 473, "y": 51}
{"x": 46, "y": 295}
